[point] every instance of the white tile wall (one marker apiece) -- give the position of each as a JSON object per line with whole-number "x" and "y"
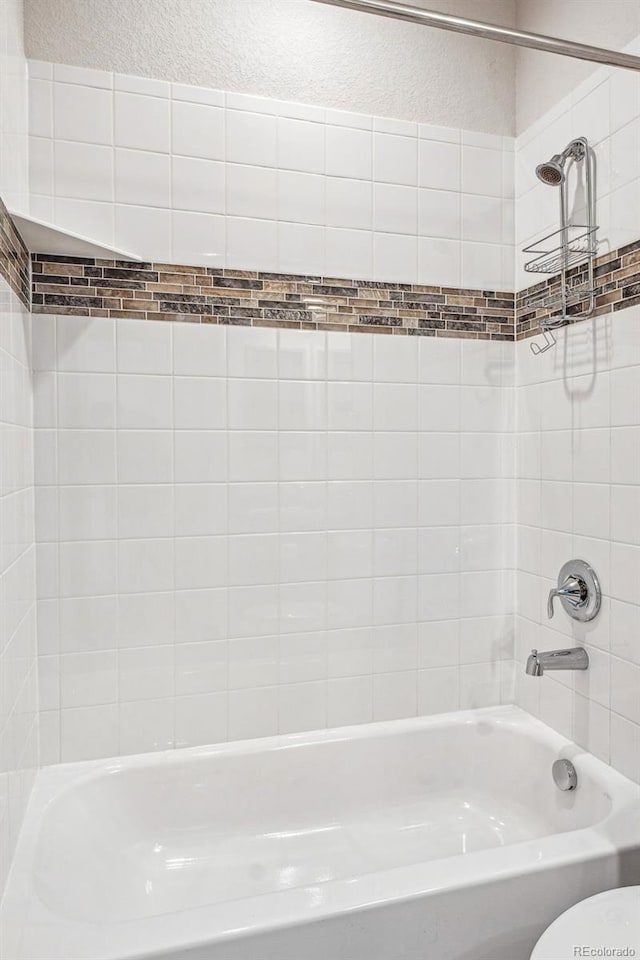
{"x": 578, "y": 456}
{"x": 265, "y": 530}
{"x": 18, "y": 661}
{"x": 579, "y": 496}
{"x": 190, "y": 175}
{"x": 249, "y": 531}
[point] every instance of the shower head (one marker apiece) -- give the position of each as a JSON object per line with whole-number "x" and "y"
{"x": 552, "y": 172}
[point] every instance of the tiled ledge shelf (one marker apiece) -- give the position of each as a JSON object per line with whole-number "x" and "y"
{"x": 38, "y": 235}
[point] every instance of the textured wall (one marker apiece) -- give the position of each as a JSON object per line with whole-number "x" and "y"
{"x": 292, "y": 50}
{"x": 542, "y": 78}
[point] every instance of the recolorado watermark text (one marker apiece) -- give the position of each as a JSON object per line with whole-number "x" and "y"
{"x": 583, "y": 951}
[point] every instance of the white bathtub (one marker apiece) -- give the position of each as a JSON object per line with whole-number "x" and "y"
{"x": 441, "y": 838}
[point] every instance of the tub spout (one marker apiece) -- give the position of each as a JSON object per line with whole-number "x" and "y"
{"x": 573, "y": 658}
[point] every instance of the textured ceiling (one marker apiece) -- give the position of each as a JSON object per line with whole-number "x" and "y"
{"x": 293, "y": 49}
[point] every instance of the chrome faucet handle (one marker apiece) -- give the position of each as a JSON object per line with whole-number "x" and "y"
{"x": 574, "y": 590}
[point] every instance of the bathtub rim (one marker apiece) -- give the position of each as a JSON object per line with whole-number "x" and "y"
{"x": 53, "y": 779}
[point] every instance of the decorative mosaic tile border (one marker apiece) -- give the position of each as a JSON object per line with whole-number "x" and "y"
{"x": 155, "y": 291}
{"x": 14, "y": 257}
{"x": 617, "y": 277}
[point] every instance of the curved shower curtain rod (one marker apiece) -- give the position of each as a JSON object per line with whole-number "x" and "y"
{"x": 490, "y": 31}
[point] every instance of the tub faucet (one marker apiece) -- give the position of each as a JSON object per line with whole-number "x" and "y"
{"x": 574, "y": 658}
{"x": 573, "y": 590}
{"x": 578, "y": 591}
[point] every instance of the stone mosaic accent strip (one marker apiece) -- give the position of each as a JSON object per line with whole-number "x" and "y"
{"x": 617, "y": 286}
{"x": 155, "y": 291}
{"x": 14, "y": 257}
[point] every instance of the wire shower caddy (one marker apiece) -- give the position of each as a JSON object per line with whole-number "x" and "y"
{"x": 563, "y": 251}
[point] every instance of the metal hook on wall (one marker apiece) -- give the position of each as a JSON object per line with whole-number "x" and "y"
{"x": 549, "y": 342}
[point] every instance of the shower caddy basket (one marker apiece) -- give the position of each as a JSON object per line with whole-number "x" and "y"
{"x": 567, "y": 248}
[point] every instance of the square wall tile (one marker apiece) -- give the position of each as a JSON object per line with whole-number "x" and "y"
{"x": 252, "y": 244}
{"x": 200, "y": 403}
{"x": 198, "y": 185}
{"x": 84, "y": 171}
{"x": 200, "y": 456}
{"x": 251, "y": 192}
{"x": 349, "y": 153}
{"x": 144, "y": 347}
{"x": 88, "y": 679}
{"x": 349, "y": 203}
{"x": 201, "y": 667}
{"x": 439, "y": 261}
{"x": 252, "y": 352}
{"x": 146, "y": 673}
{"x": 253, "y": 404}
{"x": 395, "y": 257}
{"x": 198, "y": 238}
{"x": 142, "y": 178}
{"x": 197, "y": 130}
{"x": 253, "y": 713}
{"x": 251, "y": 138}
{"x": 395, "y": 208}
{"x": 146, "y": 725}
{"x": 89, "y": 733}
{"x": 394, "y": 696}
{"x": 301, "y": 248}
{"x": 301, "y": 197}
{"x": 201, "y": 719}
{"x": 439, "y": 165}
{"x": 83, "y": 114}
{"x": 395, "y": 159}
{"x": 144, "y": 402}
{"x": 348, "y": 252}
{"x": 349, "y": 701}
{"x": 481, "y": 171}
{"x": 302, "y": 706}
{"x": 142, "y": 123}
{"x": 301, "y": 145}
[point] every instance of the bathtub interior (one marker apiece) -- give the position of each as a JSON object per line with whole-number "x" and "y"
{"x": 143, "y": 839}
